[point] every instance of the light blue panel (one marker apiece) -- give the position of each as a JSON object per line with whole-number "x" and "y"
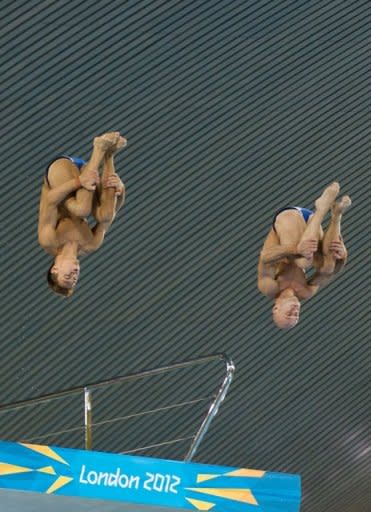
{"x": 146, "y": 481}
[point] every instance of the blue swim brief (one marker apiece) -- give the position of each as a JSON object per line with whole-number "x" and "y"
{"x": 79, "y": 162}
{"x": 306, "y": 213}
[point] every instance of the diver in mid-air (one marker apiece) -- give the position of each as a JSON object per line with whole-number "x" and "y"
{"x": 73, "y": 190}
{"x": 295, "y": 243}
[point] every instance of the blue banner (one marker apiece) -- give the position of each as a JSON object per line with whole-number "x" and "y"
{"x": 145, "y": 480}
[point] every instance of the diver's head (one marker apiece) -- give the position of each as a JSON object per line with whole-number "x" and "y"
{"x": 63, "y": 275}
{"x": 286, "y": 311}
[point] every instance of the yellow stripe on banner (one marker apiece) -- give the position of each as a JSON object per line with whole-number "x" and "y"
{"x": 49, "y": 470}
{"x": 201, "y": 505}
{"x": 243, "y": 495}
{"x": 252, "y": 473}
{"x": 45, "y": 450}
{"x": 60, "y": 482}
{"x": 203, "y": 477}
{"x": 11, "y": 469}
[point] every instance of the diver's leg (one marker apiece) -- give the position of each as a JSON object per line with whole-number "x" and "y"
{"x": 108, "y": 199}
{"x": 322, "y": 207}
{"x": 289, "y": 226}
{"x": 332, "y": 240}
{"x": 62, "y": 170}
{"x": 313, "y": 230}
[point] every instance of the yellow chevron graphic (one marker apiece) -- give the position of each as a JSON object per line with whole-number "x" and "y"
{"x": 201, "y": 505}
{"x": 252, "y": 473}
{"x": 49, "y": 470}
{"x": 11, "y": 469}
{"x": 243, "y": 495}
{"x": 60, "y": 482}
{"x": 45, "y": 450}
{"x": 203, "y": 477}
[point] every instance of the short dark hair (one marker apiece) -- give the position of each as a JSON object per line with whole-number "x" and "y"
{"x": 54, "y": 286}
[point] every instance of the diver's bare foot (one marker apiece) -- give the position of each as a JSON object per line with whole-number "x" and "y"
{"x": 328, "y": 196}
{"x": 341, "y": 206}
{"x": 120, "y": 144}
{"x": 107, "y": 141}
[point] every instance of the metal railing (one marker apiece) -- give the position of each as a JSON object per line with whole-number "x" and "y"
{"x": 88, "y": 389}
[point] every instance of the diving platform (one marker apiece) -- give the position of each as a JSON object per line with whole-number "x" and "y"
{"x": 40, "y": 478}
{"x": 37, "y": 474}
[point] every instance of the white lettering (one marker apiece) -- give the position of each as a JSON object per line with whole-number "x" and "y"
{"x": 158, "y": 484}
{"x": 161, "y": 483}
{"x": 134, "y": 482}
{"x": 176, "y": 481}
{"x": 147, "y": 483}
{"x": 82, "y": 475}
{"x": 113, "y": 478}
{"x": 92, "y": 477}
{"x": 103, "y": 478}
{"x": 123, "y": 481}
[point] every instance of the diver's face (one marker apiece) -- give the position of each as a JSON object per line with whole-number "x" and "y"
{"x": 286, "y": 312}
{"x": 68, "y": 271}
